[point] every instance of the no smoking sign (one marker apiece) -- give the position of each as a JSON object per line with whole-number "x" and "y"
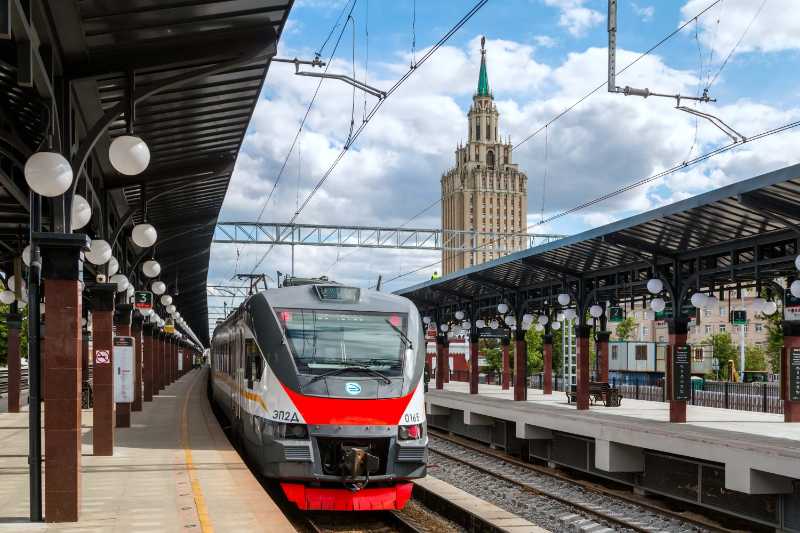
{"x": 102, "y": 357}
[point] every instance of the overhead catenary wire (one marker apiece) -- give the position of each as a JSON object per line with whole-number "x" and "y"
{"x": 633, "y": 185}
{"x": 739, "y": 42}
{"x": 446, "y": 37}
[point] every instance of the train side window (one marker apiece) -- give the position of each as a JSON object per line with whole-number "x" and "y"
{"x": 254, "y": 362}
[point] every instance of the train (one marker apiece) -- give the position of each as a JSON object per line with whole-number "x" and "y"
{"x": 322, "y": 385}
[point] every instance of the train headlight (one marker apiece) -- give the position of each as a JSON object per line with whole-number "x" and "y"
{"x": 409, "y": 432}
{"x": 281, "y": 431}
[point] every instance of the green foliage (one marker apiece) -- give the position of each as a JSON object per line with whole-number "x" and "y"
{"x": 625, "y": 328}
{"x": 490, "y": 349}
{"x": 23, "y": 348}
{"x": 774, "y": 341}
{"x": 755, "y": 358}
{"x": 724, "y": 351}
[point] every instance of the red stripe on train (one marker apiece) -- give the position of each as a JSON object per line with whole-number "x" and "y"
{"x": 347, "y": 412}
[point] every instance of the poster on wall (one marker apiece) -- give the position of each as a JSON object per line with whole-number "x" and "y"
{"x": 123, "y": 369}
{"x": 681, "y": 373}
{"x": 180, "y": 360}
{"x": 794, "y": 374}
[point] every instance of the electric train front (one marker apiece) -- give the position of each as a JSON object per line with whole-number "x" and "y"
{"x": 351, "y": 393}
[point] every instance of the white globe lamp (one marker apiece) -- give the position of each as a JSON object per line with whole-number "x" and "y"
{"x": 99, "y": 252}
{"x": 510, "y": 321}
{"x": 480, "y": 323}
{"x": 658, "y": 304}
{"x": 459, "y": 315}
{"x": 159, "y": 287}
{"x": 26, "y": 255}
{"x": 7, "y": 297}
{"x": 797, "y": 262}
{"x": 527, "y": 317}
{"x": 444, "y": 328}
{"x": 543, "y": 319}
{"x": 466, "y": 325}
{"x": 113, "y": 266}
{"x": 151, "y": 268}
{"x": 494, "y": 324}
{"x": 794, "y": 288}
{"x": 81, "y": 212}
{"x": 121, "y": 280}
{"x": 144, "y": 235}
{"x": 769, "y": 308}
{"x": 563, "y": 299}
{"x": 556, "y": 326}
{"x": 655, "y": 285}
{"x": 171, "y": 309}
{"x": 166, "y": 300}
{"x": 130, "y": 290}
{"x": 11, "y": 283}
{"x": 502, "y": 308}
{"x": 596, "y": 311}
{"x": 539, "y": 327}
{"x": 699, "y": 299}
{"x": 48, "y": 174}
{"x": 129, "y": 155}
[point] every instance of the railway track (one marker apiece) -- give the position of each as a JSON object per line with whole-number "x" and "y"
{"x": 363, "y": 522}
{"x": 607, "y": 506}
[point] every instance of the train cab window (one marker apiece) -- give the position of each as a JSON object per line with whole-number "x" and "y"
{"x": 322, "y": 340}
{"x": 254, "y": 365}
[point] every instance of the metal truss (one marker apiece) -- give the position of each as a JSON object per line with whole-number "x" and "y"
{"x": 278, "y": 233}
{"x": 227, "y": 291}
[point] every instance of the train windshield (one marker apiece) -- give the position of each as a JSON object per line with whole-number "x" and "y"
{"x": 323, "y": 340}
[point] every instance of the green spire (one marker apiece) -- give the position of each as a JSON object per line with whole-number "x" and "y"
{"x": 483, "y": 77}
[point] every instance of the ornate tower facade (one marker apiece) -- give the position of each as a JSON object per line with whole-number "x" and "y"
{"x": 485, "y": 192}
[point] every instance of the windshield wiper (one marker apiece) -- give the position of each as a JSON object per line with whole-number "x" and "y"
{"x": 379, "y": 375}
{"x": 403, "y": 336}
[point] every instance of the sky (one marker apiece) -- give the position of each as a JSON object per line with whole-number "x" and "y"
{"x": 542, "y": 57}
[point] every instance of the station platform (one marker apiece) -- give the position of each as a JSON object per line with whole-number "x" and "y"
{"x": 760, "y": 453}
{"x": 172, "y": 470}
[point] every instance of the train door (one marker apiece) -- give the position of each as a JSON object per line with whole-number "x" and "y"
{"x": 239, "y": 374}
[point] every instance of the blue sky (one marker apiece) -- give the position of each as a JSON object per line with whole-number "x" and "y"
{"x": 542, "y": 56}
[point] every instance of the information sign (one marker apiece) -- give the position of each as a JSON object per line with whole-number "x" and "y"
{"x": 791, "y": 309}
{"x": 794, "y": 375}
{"x": 143, "y": 300}
{"x": 489, "y": 333}
{"x": 681, "y": 373}
{"x": 123, "y": 369}
{"x": 616, "y": 314}
{"x": 180, "y": 360}
{"x": 739, "y": 317}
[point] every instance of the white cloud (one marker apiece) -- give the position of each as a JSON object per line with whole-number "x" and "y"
{"x": 544, "y": 41}
{"x": 777, "y": 27}
{"x": 646, "y": 12}
{"x": 575, "y": 17}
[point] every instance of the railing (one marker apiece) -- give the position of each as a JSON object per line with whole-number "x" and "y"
{"x": 4, "y": 379}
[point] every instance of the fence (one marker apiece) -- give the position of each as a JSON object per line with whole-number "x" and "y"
{"x": 4, "y": 379}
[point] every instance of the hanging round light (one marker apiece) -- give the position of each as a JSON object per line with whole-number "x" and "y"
{"x": 459, "y": 315}
{"x": 112, "y": 266}
{"x": 539, "y": 327}
{"x": 166, "y": 300}
{"x": 758, "y": 304}
{"x": 480, "y": 323}
{"x": 794, "y": 288}
{"x": 560, "y": 317}
{"x": 596, "y": 311}
{"x": 527, "y": 317}
{"x": 466, "y": 325}
{"x": 26, "y": 255}
{"x": 556, "y": 326}
{"x": 658, "y": 304}
{"x": 121, "y": 280}
{"x": 177, "y": 314}
{"x": 570, "y": 314}
{"x": 769, "y": 308}
{"x": 129, "y": 155}
{"x": 543, "y": 319}
{"x": 159, "y": 287}
{"x": 444, "y": 328}
{"x": 511, "y": 321}
{"x": 81, "y": 212}
{"x": 563, "y": 299}
{"x": 7, "y": 297}
{"x": 151, "y": 268}
{"x": 797, "y": 262}
{"x": 130, "y": 290}
{"x": 11, "y": 283}
{"x": 144, "y": 235}
{"x": 502, "y": 308}
{"x": 655, "y": 285}
{"x": 99, "y": 252}
{"x": 23, "y": 298}
{"x": 171, "y": 309}
{"x": 494, "y": 324}
{"x": 699, "y": 299}
{"x": 527, "y": 325}
{"x": 48, "y": 174}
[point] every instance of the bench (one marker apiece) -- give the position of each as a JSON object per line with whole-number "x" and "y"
{"x": 599, "y": 391}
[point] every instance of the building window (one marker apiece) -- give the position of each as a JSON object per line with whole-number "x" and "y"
{"x": 614, "y": 352}
{"x": 488, "y": 129}
{"x": 505, "y": 155}
{"x": 490, "y": 159}
{"x": 477, "y": 130}
{"x": 698, "y": 355}
{"x": 645, "y": 331}
{"x": 759, "y": 327}
{"x": 706, "y": 313}
{"x": 641, "y": 352}
{"x": 722, "y": 328}
{"x": 721, "y": 311}
{"x": 477, "y": 154}
{"x": 708, "y": 329}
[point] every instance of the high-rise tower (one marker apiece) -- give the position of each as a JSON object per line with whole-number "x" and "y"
{"x": 485, "y": 192}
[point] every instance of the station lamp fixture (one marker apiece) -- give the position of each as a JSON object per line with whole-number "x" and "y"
{"x": 425, "y": 320}
{"x": 444, "y": 328}
{"x": 158, "y": 287}
{"x": 556, "y": 326}
{"x": 81, "y": 212}
{"x": 459, "y": 315}
{"x": 494, "y": 324}
{"x": 48, "y": 174}
{"x": 99, "y": 252}
{"x": 129, "y": 155}
{"x": 7, "y": 297}
{"x": 511, "y": 321}
{"x": 480, "y": 323}
{"x": 151, "y": 268}
{"x": 769, "y": 308}
{"x": 502, "y": 308}
{"x": 121, "y": 280}
{"x": 466, "y": 325}
{"x": 655, "y": 286}
{"x": 699, "y": 299}
{"x": 113, "y": 266}
{"x": 794, "y": 288}
{"x": 658, "y": 304}
{"x": 144, "y": 235}
{"x": 166, "y": 300}
{"x": 543, "y": 319}
{"x": 563, "y": 299}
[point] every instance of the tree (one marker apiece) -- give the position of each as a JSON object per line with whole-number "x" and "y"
{"x": 755, "y": 359}
{"x": 625, "y": 328}
{"x": 490, "y": 348}
{"x": 774, "y": 341}
{"x": 723, "y": 350}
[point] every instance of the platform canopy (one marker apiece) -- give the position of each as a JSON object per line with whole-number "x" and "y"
{"x": 741, "y": 235}
{"x": 195, "y": 69}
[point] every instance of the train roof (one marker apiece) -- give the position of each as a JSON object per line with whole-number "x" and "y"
{"x": 307, "y": 296}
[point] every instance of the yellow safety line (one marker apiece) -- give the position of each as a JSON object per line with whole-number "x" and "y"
{"x": 199, "y": 502}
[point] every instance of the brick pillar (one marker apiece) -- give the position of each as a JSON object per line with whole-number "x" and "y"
{"x": 446, "y": 360}
{"x": 602, "y": 338}
{"x": 582, "y": 334}
{"x": 678, "y": 331}
{"x": 547, "y": 361}
{"x": 162, "y": 361}
{"x": 14, "y": 321}
{"x": 103, "y": 411}
{"x": 123, "y": 318}
{"x": 520, "y": 366}
{"x": 86, "y": 364}
{"x": 474, "y": 370}
{"x": 148, "y": 360}
{"x": 138, "y": 349}
{"x": 173, "y": 364}
{"x": 62, "y": 268}
{"x": 441, "y": 340}
{"x": 505, "y": 344}
{"x": 791, "y": 342}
